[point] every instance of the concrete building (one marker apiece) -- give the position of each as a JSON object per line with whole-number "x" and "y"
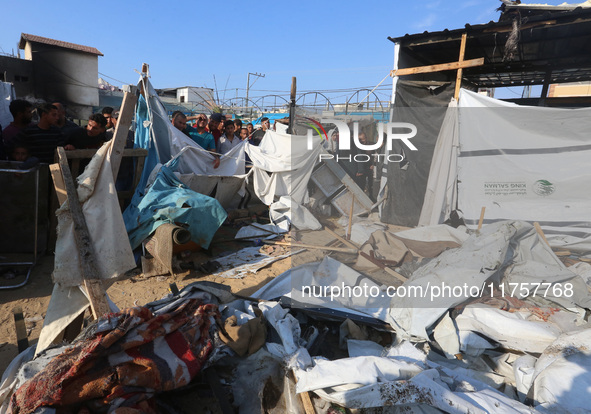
{"x": 53, "y": 70}
{"x": 19, "y": 72}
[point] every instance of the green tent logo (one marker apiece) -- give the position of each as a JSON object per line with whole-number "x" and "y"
{"x": 543, "y": 188}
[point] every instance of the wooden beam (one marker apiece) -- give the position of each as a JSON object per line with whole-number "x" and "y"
{"x": 88, "y": 264}
{"x": 541, "y": 232}
{"x": 58, "y": 183}
{"x": 342, "y": 239}
{"x": 121, "y": 131}
{"x": 460, "y": 60}
{"x": 312, "y": 246}
{"x": 481, "y": 220}
{"x": 438, "y": 68}
{"x": 383, "y": 267}
{"x": 22, "y": 341}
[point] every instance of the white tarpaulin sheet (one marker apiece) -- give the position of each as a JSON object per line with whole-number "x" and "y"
{"x": 511, "y": 252}
{"x": 290, "y": 163}
{"x": 96, "y": 190}
{"x": 524, "y": 163}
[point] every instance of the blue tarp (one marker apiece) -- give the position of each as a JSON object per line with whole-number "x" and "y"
{"x": 170, "y": 201}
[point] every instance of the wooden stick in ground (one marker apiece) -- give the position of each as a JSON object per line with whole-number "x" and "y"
{"x": 481, "y": 217}
{"x": 383, "y": 267}
{"x": 540, "y": 232}
{"x": 342, "y": 239}
{"x": 311, "y": 246}
{"x": 88, "y": 264}
{"x": 351, "y": 216}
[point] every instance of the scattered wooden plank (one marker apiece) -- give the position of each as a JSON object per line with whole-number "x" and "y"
{"x": 383, "y": 267}
{"x": 351, "y": 217}
{"x": 481, "y": 217}
{"x": 460, "y": 60}
{"x": 342, "y": 239}
{"x": 88, "y": 264}
{"x": 540, "y": 232}
{"x": 58, "y": 183}
{"x": 22, "y": 341}
{"x": 438, "y": 68}
{"x": 311, "y": 246}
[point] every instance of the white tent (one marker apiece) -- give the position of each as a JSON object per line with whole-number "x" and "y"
{"x": 524, "y": 163}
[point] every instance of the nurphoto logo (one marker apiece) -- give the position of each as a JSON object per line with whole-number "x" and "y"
{"x": 388, "y": 132}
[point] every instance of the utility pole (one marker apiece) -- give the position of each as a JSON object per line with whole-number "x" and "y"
{"x": 292, "y": 105}
{"x": 258, "y": 75}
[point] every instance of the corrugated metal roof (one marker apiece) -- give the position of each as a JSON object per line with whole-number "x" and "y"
{"x": 25, "y": 37}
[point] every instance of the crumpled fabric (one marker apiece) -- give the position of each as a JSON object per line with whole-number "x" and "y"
{"x": 245, "y": 339}
{"x": 128, "y": 358}
{"x": 170, "y": 201}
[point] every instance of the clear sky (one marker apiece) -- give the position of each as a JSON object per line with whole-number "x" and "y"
{"x": 327, "y": 45}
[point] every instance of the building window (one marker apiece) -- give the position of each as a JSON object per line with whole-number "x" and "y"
{"x": 182, "y": 99}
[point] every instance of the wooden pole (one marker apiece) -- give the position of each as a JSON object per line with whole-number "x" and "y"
{"x": 341, "y": 239}
{"x": 460, "y": 60}
{"x": 541, "y": 232}
{"x": 88, "y": 264}
{"x": 481, "y": 217}
{"x": 292, "y": 105}
{"x": 312, "y": 246}
{"x": 351, "y": 216}
{"x": 121, "y": 131}
{"x": 438, "y": 68}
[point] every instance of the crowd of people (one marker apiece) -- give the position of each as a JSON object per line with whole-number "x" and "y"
{"x": 23, "y": 140}
{"x": 217, "y": 134}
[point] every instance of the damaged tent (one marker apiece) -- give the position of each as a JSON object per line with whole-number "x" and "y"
{"x": 517, "y": 162}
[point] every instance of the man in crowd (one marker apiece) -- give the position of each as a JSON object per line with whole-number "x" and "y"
{"x": 237, "y": 126}
{"x": 199, "y": 134}
{"x": 42, "y": 139}
{"x": 243, "y": 134}
{"x": 64, "y": 124}
{"x": 214, "y": 126}
{"x": 260, "y": 133}
{"x": 107, "y": 112}
{"x": 228, "y": 140}
{"x": 91, "y": 137}
{"x": 22, "y": 112}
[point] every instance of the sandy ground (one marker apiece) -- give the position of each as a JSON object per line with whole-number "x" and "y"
{"x": 133, "y": 289}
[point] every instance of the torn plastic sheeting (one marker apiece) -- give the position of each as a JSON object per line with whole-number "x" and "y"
{"x": 508, "y": 328}
{"x": 259, "y": 231}
{"x": 100, "y": 206}
{"x": 286, "y": 211}
{"x": 193, "y": 159}
{"x": 290, "y": 163}
{"x": 427, "y": 388}
{"x": 562, "y": 377}
{"x": 511, "y": 249}
{"x": 248, "y": 260}
{"x": 285, "y": 324}
{"x": 358, "y": 370}
{"x": 310, "y": 285}
{"x": 432, "y": 240}
{"x": 170, "y": 201}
